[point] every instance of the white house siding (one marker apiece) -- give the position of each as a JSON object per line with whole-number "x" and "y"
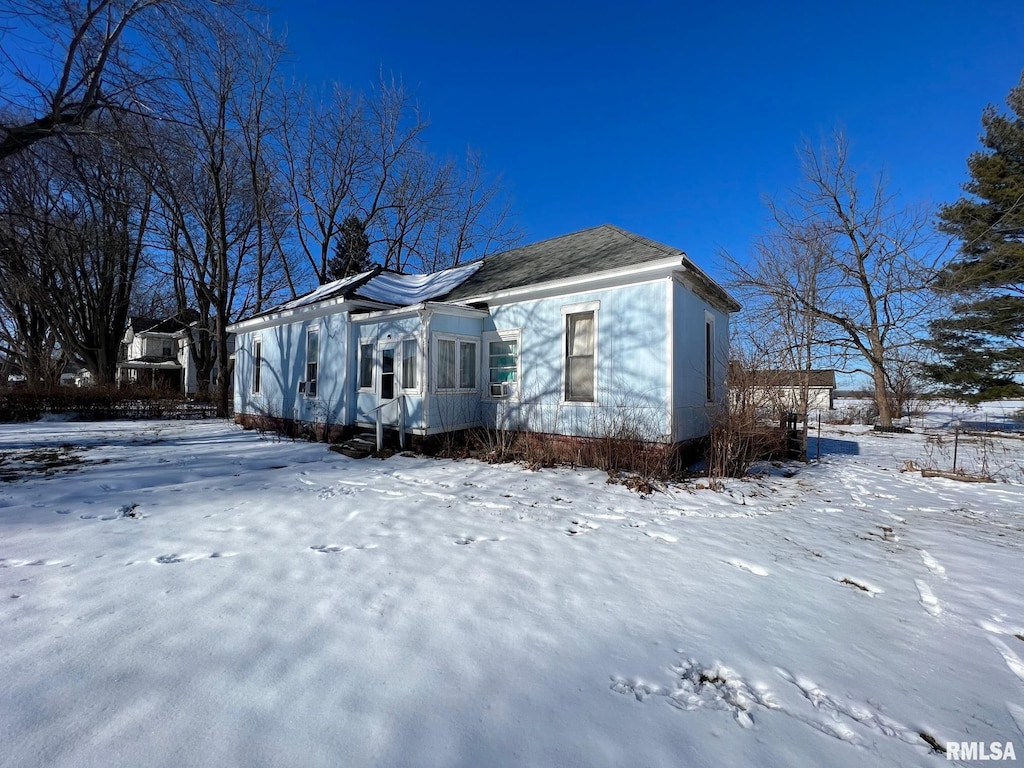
{"x": 284, "y": 366}
{"x": 691, "y": 409}
{"x": 632, "y": 389}
{"x": 789, "y": 398}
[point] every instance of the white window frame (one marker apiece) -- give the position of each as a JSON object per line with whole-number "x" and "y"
{"x": 515, "y": 335}
{"x": 362, "y": 345}
{"x": 417, "y": 358}
{"x": 460, "y": 341}
{"x": 305, "y": 370}
{"x": 256, "y": 380}
{"x": 579, "y": 309}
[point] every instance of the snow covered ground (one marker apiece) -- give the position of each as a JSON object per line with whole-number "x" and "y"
{"x": 188, "y": 594}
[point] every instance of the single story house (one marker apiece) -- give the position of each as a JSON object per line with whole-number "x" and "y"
{"x": 782, "y": 390}
{"x": 596, "y": 333}
{"x": 156, "y": 352}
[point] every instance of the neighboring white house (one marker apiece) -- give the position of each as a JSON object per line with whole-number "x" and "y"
{"x": 588, "y": 334}
{"x": 157, "y": 353}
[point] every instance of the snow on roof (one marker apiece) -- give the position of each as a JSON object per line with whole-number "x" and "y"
{"x": 406, "y": 290}
{"x": 325, "y": 291}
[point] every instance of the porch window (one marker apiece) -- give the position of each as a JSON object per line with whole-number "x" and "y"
{"x": 467, "y": 365}
{"x": 366, "y": 366}
{"x": 409, "y": 364}
{"x": 579, "y": 357}
{"x": 257, "y": 365}
{"x": 446, "y": 363}
{"x": 312, "y": 360}
{"x": 456, "y": 364}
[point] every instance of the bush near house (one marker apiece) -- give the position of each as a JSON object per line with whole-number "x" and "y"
{"x": 93, "y": 403}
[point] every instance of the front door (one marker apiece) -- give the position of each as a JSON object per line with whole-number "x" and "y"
{"x": 387, "y": 373}
{"x": 387, "y": 384}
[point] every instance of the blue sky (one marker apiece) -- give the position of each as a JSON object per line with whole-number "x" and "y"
{"x": 675, "y": 119}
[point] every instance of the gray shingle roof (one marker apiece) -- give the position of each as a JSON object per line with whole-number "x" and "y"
{"x": 598, "y": 249}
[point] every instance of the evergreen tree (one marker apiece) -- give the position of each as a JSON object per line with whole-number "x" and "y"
{"x": 981, "y": 345}
{"x": 352, "y": 250}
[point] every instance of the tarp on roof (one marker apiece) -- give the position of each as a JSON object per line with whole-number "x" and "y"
{"x": 406, "y": 290}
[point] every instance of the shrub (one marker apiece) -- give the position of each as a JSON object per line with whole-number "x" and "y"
{"x": 92, "y": 403}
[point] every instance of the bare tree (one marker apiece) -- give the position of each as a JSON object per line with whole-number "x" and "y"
{"x": 365, "y": 156}
{"x": 109, "y": 54}
{"x": 849, "y": 260}
{"x": 217, "y": 187}
{"x": 94, "y": 273}
{"x": 74, "y": 216}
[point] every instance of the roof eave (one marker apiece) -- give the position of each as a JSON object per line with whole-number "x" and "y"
{"x": 452, "y": 308}
{"x": 636, "y": 273}
{"x": 305, "y": 312}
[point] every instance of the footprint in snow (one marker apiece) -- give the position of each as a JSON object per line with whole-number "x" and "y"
{"x": 576, "y": 527}
{"x": 835, "y": 715}
{"x": 928, "y": 600}
{"x": 176, "y": 558}
{"x": 668, "y": 538}
{"x": 757, "y": 570}
{"x": 1012, "y": 660}
{"x": 465, "y": 540}
{"x": 933, "y": 565}
{"x": 331, "y": 549}
{"x": 697, "y": 686}
{"x": 860, "y": 585}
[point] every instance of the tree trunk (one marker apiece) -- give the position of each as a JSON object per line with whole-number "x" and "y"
{"x": 881, "y": 396}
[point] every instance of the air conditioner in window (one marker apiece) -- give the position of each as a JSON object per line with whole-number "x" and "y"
{"x": 500, "y": 389}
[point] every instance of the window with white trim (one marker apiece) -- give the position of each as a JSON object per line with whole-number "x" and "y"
{"x": 501, "y": 363}
{"x": 366, "y": 365}
{"x": 456, "y": 364}
{"x": 312, "y": 360}
{"x": 409, "y": 356}
{"x": 257, "y": 364}
{"x": 580, "y": 356}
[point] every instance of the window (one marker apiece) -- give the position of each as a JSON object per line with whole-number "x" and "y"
{"x": 166, "y": 352}
{"x": 312, "y": 357}
{"x": 709, "y": 358}
{"x": 409, "y": 364}
{"x": 580, "y": 328}
{"x": 257, "y": 364}
{"x": 387, "y": 373}
{"x": 446, "y": 363}
{"x": 456, "y": 364}
{"x": 467, "y": 366}
{"x": 502, "y": 363}
{"x": 366, "y": 366}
